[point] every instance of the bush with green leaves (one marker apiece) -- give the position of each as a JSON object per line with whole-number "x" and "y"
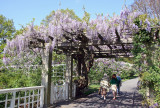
{"x": 15, "y": 78}
{"x": 126, "y": 74}
{"x": 146, "y": 53}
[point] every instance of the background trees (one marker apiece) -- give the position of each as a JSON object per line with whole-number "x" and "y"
{"x": 7, "y": 30}
{"x": 149, "y": 7}
{"x": 110, "y": 66}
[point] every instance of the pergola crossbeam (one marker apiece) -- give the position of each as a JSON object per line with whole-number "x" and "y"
{"x": 83, "y": 44}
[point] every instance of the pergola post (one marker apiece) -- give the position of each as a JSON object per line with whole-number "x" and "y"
{"x": 46, "y": 74}
{"x": 44, "y": 80}
{"x": 79, "y": 66}
{"x": 69, "y": 73}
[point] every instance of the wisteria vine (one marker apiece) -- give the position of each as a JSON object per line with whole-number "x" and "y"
{"x": 63, "y": 23}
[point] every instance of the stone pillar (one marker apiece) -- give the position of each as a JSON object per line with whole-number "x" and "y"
{"x": 69, "y": 72}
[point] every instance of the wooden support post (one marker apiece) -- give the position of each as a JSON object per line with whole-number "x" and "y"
{"x": 46, "y": 74}
{"x": 70, "y": 96}
{"x": 69, "y": 72}
{"x": 49, "y": 76}
{"x": 44, "y": 80}
{"x": 79, "y": 66}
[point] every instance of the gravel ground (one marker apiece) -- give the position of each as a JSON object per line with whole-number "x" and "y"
{"x": 129, "y": 98}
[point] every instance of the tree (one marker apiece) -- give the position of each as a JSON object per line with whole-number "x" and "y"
{"x": 7, "y": 30}
{"x": 149, "y": 7}
{"x": 50, "y": 17}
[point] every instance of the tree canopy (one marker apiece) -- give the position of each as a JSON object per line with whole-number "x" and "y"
{"x": 149, "y": 7}
{"x": 7, "y": 30}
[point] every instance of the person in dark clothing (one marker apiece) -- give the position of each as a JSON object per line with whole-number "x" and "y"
{"x": 114, "y": 83}
{"x": 119, "y": 83}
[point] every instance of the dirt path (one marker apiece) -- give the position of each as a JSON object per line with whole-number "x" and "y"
{"x": 129, "y": 98}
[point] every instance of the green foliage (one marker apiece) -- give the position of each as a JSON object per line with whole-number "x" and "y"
{"x": 91, "y": 89}
{"x": 151, "y": 79}
{"x": 86, "y": 17}
{"x": 99, "y": 69}
{"x": 95, "y": 75}
{"x": 146, "y": 54}
{"x": 72, "y": 13}
{"x": 127, "y": 74}
{"x": 59, "y": 58}
{"x": 51, "y": 15}
{"x": 97, "y": 72}
{"x": 15, "y": 78}
{"x": 18, "y": 32}
{"x": 7, "y": 30}
{"x": 128, "y": 60}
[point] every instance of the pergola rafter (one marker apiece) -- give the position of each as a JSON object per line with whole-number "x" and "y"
{"x": 100, "y": 48}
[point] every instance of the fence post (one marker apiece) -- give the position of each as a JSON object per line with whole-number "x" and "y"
{"x": 66, "y": 89}
{"x": 74, "y": 90}
{"x": 42, "y": 98}
{"x": 13, "y": 100}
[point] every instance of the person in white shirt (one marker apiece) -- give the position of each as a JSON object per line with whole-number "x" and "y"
{"x": 104, "y": 86}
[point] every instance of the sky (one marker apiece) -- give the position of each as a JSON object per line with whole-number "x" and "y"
{"x": 22, "y": 12}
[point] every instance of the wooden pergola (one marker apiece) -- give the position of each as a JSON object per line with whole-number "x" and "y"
{"x": 78, "y": 44}
{"x": 79, "y": 47}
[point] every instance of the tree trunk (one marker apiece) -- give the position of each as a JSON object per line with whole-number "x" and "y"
{"x": 84, "y": 65}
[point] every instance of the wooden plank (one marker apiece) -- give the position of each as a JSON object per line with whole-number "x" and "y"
{"x": 90, "y": 44}
{"x": 111, "y": 56}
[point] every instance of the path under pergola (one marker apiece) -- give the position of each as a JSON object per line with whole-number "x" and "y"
{"x": 129, "y": 98}
{"x": 84, "y": 50}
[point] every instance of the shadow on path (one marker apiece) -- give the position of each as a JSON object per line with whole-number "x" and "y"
{"x": 129, "y": 98}
{"x": 125, "y": 100}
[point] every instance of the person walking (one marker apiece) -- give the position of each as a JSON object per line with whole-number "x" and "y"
{"x": 119, "y": 83}
{"x": 104, "y": 86}
{"x": 114, "y": 83}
